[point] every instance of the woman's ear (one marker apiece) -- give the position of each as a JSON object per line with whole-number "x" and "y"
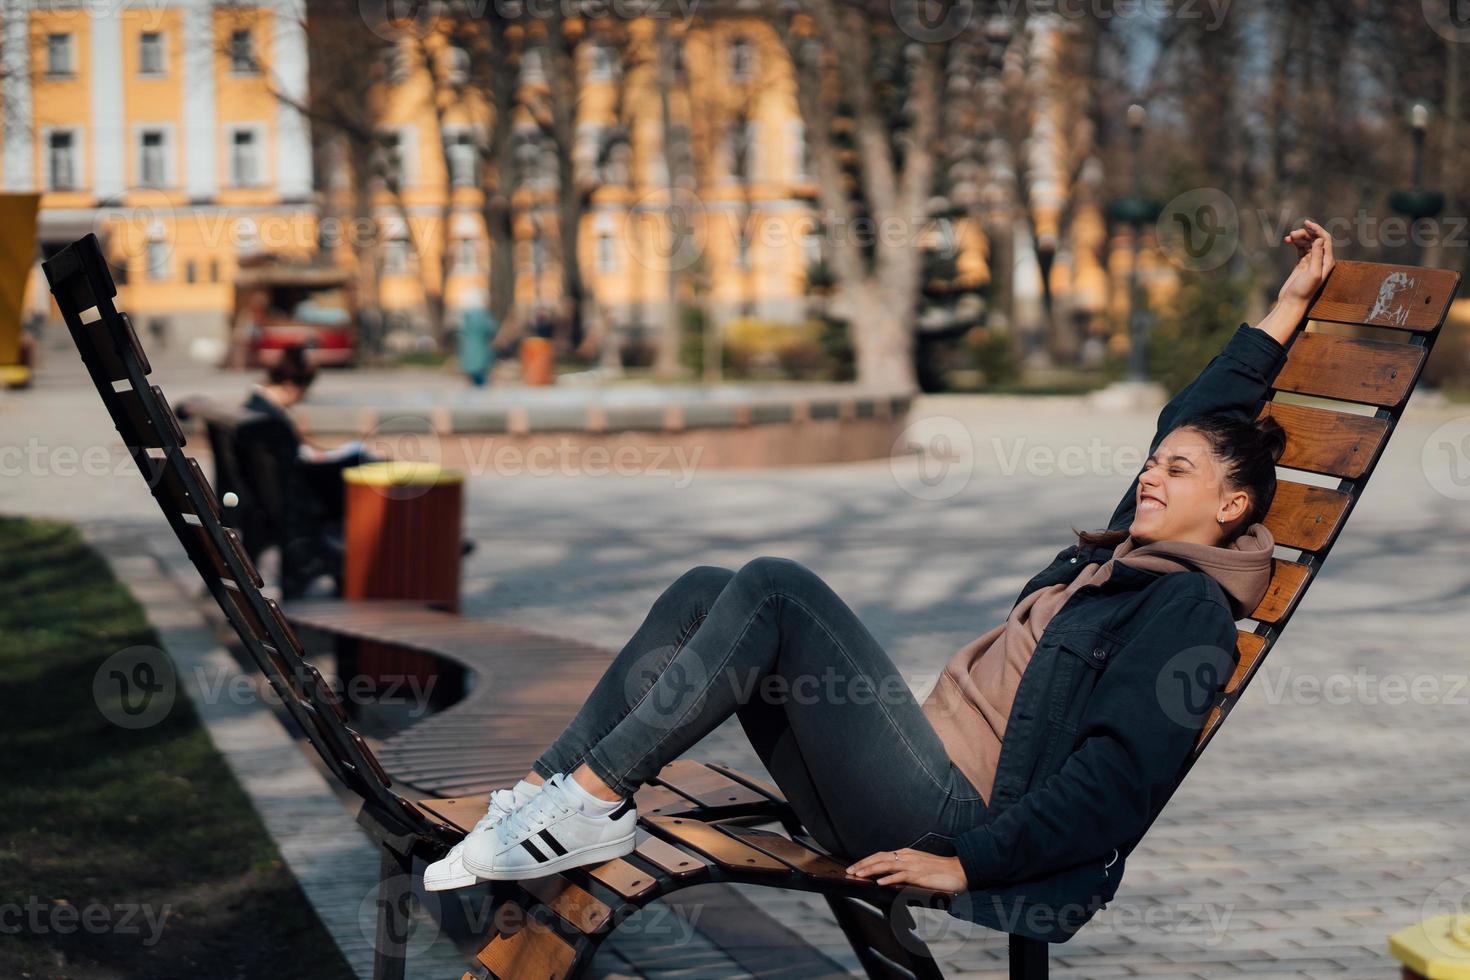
{"x": 1233, "y": 507}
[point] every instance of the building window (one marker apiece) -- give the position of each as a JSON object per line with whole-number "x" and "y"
{"x": 466, "y": 257}
{"x": 462, "y": 157}
{"x": 742, "y": 251}
{"x": 395, "y": 257}
{"x": 801, "y": 158}
{"x": 191, "y": 274}
{"x": 740, "y": 150}
{"x": 457, "y": 70}
{"x": 393, "y": 156}
{"x": 152, "y": 158}
{"x": 604, "y": 63}
{"x": 150, "y": 53}
{"x": 742, "y": 59}
{"x": 244, "y": 158}
{"x": 61, "y": 160}
{"x": 242, "y": 53}
{"x": 214, "y": 270}
{"x": 157, "y": 258}
{"x": 533, "y": 67}
{"x": 59, "y": 59}
{"x": 607, "y": 254}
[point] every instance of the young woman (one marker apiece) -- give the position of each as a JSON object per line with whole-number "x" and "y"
{"x": 1048, "y": 743}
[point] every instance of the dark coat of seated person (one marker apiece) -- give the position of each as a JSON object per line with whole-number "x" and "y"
{"x": 320, "y": 470}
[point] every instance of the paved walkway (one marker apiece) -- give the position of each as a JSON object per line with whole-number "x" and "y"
{"x": 1328, "y": 813}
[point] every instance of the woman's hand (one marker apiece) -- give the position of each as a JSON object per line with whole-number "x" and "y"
{"x": 907, "y": 866}
{"x": 1314, "y": 263}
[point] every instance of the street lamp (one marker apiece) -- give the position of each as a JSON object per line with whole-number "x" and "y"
{"x": 1416, "y": 203}
{"x": 1136, "y": 211}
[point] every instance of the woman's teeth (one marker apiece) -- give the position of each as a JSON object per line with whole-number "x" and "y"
{"x": 1149, "y": 503}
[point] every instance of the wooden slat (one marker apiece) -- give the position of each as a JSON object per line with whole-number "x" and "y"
{"x": 652, "y": 799}
{"x": 106, "y": 349}
{"x": 532, "y": 951}
{"x": 1376, "y": 294}
{"x": 137, "y": 428}
{"x": 723, "y": 849}
{"x": 1250, "y": 646}
{"x": 705, "y": 786}
{"x": 794, "y": 855}
{"x": 1323, "y": 441}
{"x": 623, "y": 877}
{"x": 671, "y": 859}
{"x": 205, "y": 545}
{"x": 759, "y": 785}
{"x": 1304, "y": 516}
{"x": 576, "y": 906}
{"x": 460, "y": 812}
{"x": 1288, "y": 581}
{"x": 169, "y": 487}
{"x": 1373, "y": 372}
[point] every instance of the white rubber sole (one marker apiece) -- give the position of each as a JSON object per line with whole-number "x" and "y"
{"x": 592, "y": 854}
{"x": 448, "y": 873}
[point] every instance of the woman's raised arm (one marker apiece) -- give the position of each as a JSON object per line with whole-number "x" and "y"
{"x": 1237, "y": 379}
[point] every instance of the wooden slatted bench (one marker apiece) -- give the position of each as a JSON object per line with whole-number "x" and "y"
{"x": 703, "y": 823}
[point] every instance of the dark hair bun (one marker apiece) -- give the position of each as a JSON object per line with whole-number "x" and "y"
{"x": 1272, "y": 436}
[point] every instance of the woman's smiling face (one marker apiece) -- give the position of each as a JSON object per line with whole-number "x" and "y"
{"x": 1183, "y": 495}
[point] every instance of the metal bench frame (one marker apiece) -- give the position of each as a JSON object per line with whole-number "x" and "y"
{"x": 698, "y": 817}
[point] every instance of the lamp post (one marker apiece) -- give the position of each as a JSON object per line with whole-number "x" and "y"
{"x": 1136, "y": 211}
{"x": 1416, "y": 203}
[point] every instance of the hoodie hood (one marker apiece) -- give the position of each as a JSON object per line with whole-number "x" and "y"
{"x": 1243, "y": 568}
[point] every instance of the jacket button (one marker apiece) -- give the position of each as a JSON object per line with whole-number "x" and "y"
{"x": 1073, "y": 560}
{"x": 1099, "y": 654}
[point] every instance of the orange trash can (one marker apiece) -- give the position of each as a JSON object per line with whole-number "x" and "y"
{"x": 402, "y": 530}
{"x": 538, "y": 361}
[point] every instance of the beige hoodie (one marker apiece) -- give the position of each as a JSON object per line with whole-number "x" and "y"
{"x": 969, "y": 705}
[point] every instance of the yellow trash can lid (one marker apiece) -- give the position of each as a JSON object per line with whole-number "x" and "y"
{"x": 1437, "y": 948}
{"x": 401, "y": 473}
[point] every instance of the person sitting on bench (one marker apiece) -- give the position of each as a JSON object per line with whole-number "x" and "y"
{"x": 1073, "y": 748}
{"x": 286, "y": 384}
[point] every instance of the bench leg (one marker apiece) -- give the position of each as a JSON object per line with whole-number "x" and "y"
{"x": 1029, "y": 958}
{"x": 395, "y": 906}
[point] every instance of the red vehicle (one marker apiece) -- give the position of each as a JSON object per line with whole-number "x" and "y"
{"x": 280, "y": 304}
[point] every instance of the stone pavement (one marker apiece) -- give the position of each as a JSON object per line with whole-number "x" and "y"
{"x": 1329, "y": 811}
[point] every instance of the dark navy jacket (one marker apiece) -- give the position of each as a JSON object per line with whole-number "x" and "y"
{"x": 1109, "y": 708}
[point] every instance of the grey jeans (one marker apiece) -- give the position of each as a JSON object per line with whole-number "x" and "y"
{"x": 827, "y": 711}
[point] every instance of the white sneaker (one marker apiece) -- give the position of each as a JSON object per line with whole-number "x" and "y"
{"x": 449, "y": 871}
{"x": 550, "y": 834}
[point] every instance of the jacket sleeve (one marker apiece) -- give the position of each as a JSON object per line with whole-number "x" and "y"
{"x": 1235, "y": 380}
{"x": 1139, "y": 727}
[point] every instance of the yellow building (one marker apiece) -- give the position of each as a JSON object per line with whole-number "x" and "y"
{"x": 157, "y": 126}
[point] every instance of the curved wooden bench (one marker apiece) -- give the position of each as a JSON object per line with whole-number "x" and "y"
{"x": 696, "y": 818}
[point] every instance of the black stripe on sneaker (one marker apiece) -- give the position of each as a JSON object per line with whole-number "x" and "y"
{"x": 627, "y": 805}
{"x": 555, "y": 844}
{"x": 534, "y": 852}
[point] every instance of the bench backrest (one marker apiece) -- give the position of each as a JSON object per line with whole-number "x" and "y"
{"x": 83, "y": 289}
{"x": 1366, "y": 382}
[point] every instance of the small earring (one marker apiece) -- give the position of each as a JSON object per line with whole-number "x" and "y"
{"x": 1220, "y": 519}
